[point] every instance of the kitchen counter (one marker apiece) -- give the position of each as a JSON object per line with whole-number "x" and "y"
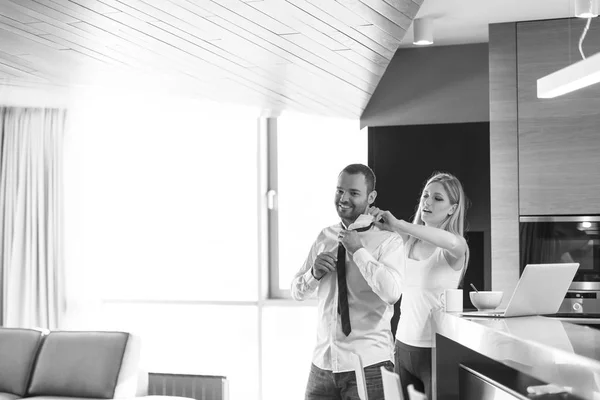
{"x": 548, "y": 349}
{"x": 580, "y": 320}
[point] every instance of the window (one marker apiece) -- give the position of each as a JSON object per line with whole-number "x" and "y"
{"x": 167, "y": 200}
{"x": 311, "y": 152}
{"x": 165, "y": 230}
{"x": 162, "y": 232}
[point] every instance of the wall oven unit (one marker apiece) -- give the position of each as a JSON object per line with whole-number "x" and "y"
{"x": 560, "y": 239}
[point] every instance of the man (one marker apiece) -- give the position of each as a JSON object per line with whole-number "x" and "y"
{"x": 355, "y": 300}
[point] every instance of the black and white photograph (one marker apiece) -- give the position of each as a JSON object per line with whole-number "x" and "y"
{"x": 299, "y": 199}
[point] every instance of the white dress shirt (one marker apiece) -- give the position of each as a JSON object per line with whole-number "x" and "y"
{"x": 374, "y": 278}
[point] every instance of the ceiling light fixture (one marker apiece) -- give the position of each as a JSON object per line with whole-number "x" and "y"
{"x": 579, "y": 75}
{"x": 422, "y": 31}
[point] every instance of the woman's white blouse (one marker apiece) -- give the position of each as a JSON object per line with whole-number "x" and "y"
{"x": 425, "y": 282}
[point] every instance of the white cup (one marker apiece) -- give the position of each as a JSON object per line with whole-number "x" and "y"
{"x": 452, "y": 300}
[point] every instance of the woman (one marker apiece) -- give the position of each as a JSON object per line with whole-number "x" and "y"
{"x": 436, "y": 258}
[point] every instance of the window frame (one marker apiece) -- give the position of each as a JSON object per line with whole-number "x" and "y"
{"x": 269, "y": 196}
{"x": 272, "y": 207}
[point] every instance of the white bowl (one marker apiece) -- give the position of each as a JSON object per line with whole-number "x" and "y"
{"x": 486, "y": 300}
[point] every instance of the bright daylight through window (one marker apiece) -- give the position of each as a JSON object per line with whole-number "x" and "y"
{"x": 311, "y": 152}
{"x": 162, "y": 235}
{"x": 155, "y": 192}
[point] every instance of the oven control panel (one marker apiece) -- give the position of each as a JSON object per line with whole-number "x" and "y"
{"x": 581, "y": 302}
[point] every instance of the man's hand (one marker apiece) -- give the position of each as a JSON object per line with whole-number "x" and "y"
{"x": 324, "y": 263}
{"x": 350, "y": 240}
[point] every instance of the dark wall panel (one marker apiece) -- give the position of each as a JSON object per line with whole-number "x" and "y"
{"x": 404, "y": 157}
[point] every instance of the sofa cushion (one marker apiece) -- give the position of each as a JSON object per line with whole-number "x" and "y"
{"x": 78, "y": 364}
{"x": 18, "y": 348}
{"x": 70, "y": 398}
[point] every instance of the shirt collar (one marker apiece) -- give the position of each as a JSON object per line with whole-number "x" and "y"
{"x": 362, "y": 221}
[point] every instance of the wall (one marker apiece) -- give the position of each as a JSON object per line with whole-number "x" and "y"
{"x": 445, "y": 84}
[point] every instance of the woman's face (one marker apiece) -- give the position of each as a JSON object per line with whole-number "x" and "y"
{"x": 435, "y": 204}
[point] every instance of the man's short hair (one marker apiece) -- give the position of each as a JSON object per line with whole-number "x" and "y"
{"x": 367, "y": 172}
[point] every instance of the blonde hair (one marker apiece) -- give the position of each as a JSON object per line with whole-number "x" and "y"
{"x": 454, "y": 223}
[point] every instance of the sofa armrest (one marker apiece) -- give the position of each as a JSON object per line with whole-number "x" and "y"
{"x": 132, "y": 381}
{"x": 142, "y": 388}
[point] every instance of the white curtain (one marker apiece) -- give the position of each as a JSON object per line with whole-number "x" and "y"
{"x": 31, "y": 217}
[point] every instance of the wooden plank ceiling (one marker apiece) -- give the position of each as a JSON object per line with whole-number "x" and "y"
{"x": 316, "y": 56}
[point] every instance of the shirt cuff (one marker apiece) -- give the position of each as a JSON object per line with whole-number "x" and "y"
{"x": 310, "y": 279}
{"x": 362, "y": 257}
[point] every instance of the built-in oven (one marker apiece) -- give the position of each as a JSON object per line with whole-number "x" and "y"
{"x": 560, "y": 239}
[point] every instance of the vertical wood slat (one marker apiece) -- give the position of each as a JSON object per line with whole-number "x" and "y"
{"x": 504, "y": 166}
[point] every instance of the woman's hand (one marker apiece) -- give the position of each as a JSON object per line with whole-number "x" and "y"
{"x": 384, "y": 219}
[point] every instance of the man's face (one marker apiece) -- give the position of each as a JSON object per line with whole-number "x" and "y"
{"x": 351, "y": 197}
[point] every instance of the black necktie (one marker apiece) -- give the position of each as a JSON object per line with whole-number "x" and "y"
{"x": 343, "y": 308}
{"x": 396, "y": 317}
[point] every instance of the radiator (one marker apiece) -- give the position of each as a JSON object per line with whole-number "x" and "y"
{"x": 199, "y": 387}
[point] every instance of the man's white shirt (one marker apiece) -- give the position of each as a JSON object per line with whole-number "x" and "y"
{"x": 374, "y": 276}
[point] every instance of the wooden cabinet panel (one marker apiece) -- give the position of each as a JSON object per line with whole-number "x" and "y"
{"x": 504, "y": 172}
{"x": 559, "y": 139}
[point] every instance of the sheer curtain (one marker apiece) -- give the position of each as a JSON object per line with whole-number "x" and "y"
{"x": 31, "y": 244}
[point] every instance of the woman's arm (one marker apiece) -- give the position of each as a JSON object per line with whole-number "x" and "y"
{"x": 454, "y": 246}
{"x": 386, "y": 221}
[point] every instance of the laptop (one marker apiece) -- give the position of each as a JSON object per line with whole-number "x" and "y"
{"x": 540, "y": 290}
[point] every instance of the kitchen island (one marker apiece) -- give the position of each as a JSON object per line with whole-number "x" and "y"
{"x": 512, "y": 355}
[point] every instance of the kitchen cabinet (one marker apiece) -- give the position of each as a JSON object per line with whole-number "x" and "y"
{"x": 558, "y": 139}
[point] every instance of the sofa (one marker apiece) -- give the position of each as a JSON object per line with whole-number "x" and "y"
{"x": 69, "y": 365}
